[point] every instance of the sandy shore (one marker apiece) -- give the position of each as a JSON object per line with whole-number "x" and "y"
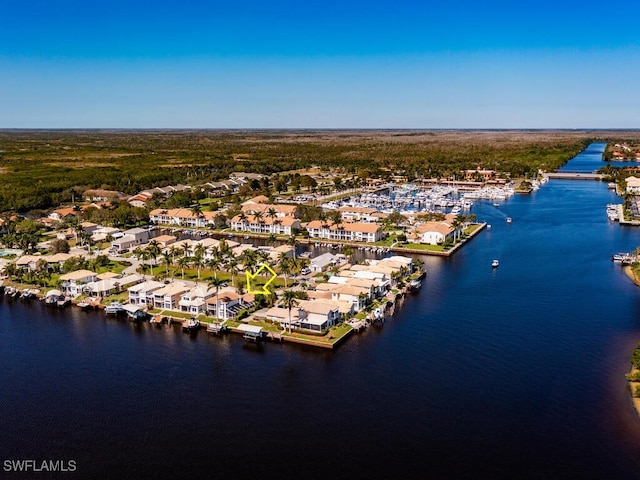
{"x": 629, "y": 273}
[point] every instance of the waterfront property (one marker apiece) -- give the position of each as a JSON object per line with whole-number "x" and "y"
{"x": 284, "y": 225}
{"x": 350, "y": 232}
{"x": 74, "y": 282}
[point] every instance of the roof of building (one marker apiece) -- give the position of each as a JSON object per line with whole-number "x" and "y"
{"x": 350, "y": 227}
{"x": 77, "y": 275}
{"x": 258, "y": 199}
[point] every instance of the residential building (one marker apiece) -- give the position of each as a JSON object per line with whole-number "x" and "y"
{"x": 194, "y": 301}
{"x": 183, "y": 217}
{"x": 130, "y": 239}
{"x": 633, "y": 185}
{"x": 228, "y": 304}
{"x": 317, "y": 315}
{"x": 353, "y": 232}
{"x": 167, "y": 297}
{"x": 74, "y": 282}
{"x": 284, "y": 225}
{"x": 142, "y": 293}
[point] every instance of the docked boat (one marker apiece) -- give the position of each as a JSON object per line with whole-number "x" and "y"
{"x": 624, "y": 258}
{"x": 415, "y": 284}
{"x": 495, "y": 264}
{"x": 83, "y": 305}
{"x": 191, "y": 325}
{"x": 114, "y": 308}
{"x": 216, "y": 328}
{"x": 63, "y": 302}
{"x": 10, "y": 291}
{"x": 52, "y": 296}
{"x": 158, "y": 320}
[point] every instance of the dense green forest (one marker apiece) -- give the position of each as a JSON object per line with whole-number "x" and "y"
{"x": 41, "y": 169}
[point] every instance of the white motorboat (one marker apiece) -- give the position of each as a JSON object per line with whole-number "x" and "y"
{"x": 495, "y": 264}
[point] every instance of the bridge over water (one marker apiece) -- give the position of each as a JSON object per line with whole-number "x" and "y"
{"x": 576, "y": 175}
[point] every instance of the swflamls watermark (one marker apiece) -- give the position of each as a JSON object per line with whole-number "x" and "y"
{"x": 36, "y": 466}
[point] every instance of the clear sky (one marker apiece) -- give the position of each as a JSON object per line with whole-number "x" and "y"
{"x": 319, "y": 64}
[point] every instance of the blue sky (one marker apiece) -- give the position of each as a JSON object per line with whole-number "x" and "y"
{"x": 319, "y": 64}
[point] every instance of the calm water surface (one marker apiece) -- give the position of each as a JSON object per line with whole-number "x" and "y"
{"x": 515, "y": 372}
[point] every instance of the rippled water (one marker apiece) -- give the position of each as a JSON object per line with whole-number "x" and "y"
{"x": 514, "y": 372}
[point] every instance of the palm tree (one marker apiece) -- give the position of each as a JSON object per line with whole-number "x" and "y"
{"x": 289, "y": 301}
{"x": 284, "y": 263}
{"x": 293, "y": 241}
{"x": 186, "y": 249}
{"x": 233, "y": 270}
{"x": 198, "y": 260}
{"x": 214, "y": 264}
{"x": 168, "y": 260}
{"x": 216, "y": 283}
{"x": 272, "y": 213}
{"x": 249, "y": 259}
{"x": 154, "y": 250}
{"x": 182, "y": 263}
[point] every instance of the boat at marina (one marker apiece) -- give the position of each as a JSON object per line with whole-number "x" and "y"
{"x": 495, "y": 264}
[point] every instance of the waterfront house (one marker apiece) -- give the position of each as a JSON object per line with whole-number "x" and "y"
{"x": 433, "y": 233}
{"x": 167, "y": 297}
{"x": 228, "y": 304}
{"x": 74, "y": 282}
{"x": 357, "y": 296}
{"x": 352, "y": 232}
{"x": 633, "y": 185}
{"x": 165, "y": 240}
{"x": 195, "y": 300}
{"x": 358, "y": 214}
{"x": 322, "y": 262}
{"x": 142, "y": 293}
{"x": 110, "y": 285}
{"x": 281, "y": 316}
{"x": 281, "y": 225}
{"x": 29, "y": 262}
{"x": 317, "y": 315}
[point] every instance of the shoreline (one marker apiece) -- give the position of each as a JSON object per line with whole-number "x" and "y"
{"x": 628, "y": 271}
{"x": 632, "y": 387}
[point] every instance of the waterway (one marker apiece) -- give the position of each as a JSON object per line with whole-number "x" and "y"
{"x": 514, "y": 372}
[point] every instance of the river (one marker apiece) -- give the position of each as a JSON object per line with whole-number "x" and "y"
{"x": 514, "y": 372}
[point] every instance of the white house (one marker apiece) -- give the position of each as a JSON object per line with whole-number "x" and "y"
{"x": 633, "y": 185}
{"x": 142, "y": 293}
{"x": 317, "y": 316}
{"x": 280, "y": 225}
{"x": 354, "y": 232}
{"x": 195, "y": 300}
{"x": 74, "y": 282}
{"x": 131, "y": 238}
{"x": 322, "y": 262}
{"x": 168, "y": 296}
{"x": 229, "y": 304}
